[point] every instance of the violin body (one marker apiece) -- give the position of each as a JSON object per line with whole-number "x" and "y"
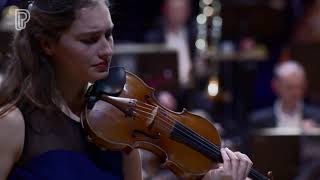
{"x": 110, "y": 128}
{"x": 188, "y": 145}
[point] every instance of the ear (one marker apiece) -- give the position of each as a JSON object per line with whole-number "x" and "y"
{"x": 305, "y": 85}
{"x": 47, "y": 46}
{"x": 275, "y": 85}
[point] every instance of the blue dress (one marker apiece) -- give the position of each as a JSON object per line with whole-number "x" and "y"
{"x": 56, "y": 149}
{"x": 64, "y": 165}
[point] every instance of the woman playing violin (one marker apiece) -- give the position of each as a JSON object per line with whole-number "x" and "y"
{"x": 65, "y": 45}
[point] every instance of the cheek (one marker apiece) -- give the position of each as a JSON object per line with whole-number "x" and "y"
{"x": 74, "y": 60}
{"x": 284, "y": 92}
{"x": 76, "y": 54}
{"x": 298, "y": 92}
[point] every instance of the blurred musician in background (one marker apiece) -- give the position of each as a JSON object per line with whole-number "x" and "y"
{"x": 175, "y": 32}
{"x": 289, "y": 110}
{"x": 177, "y": 29}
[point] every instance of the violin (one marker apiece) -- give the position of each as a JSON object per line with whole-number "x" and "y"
{"x": 123, "y": 114}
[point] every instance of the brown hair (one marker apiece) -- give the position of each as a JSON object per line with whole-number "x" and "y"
{"x": 29, "y": 75}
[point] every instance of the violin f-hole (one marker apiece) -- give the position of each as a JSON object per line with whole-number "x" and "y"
{"x": 137, "y": 133}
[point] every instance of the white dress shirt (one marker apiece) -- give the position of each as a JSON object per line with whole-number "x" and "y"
{"x": 290, "y": 120}
{"x": 179, "y": 41}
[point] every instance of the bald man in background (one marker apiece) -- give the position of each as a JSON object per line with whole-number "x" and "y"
{"x": 289, "y": 110}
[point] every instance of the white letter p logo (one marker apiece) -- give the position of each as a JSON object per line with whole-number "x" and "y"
{"x": 22, "y": 16}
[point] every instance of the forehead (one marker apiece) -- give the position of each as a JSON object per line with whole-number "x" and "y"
{"x": 293, "y": 78}
{"x": 178, "y": 3}
{"x": 95, "y": 17}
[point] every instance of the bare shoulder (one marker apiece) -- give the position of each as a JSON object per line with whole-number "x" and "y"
{"x": 12, "y": 130}
{"x": 12, "y": 113}
{"x": 12, "y": 124}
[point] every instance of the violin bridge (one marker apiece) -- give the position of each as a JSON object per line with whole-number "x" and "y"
{"x": 130, "y": 111}
{"x": 154, "y": 114}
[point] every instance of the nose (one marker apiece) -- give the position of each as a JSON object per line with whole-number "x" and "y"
{"x": 106, "y": 49}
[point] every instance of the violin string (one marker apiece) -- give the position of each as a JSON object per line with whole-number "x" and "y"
{"x": 210, "y": 149}
{"x": 170, "y": 122}
{"x": 195, "y": 137}
{"x": 204, "y": 142}
{"x": 165, "y": 116}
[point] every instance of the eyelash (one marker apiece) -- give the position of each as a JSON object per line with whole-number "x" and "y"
{"x": 93, "y": 40}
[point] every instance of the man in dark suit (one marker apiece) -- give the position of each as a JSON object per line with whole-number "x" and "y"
{"x": 289, "y": 110}
{"x": 175, "y": 32}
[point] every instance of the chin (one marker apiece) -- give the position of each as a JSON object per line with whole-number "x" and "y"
{"x": 98, "y": 76}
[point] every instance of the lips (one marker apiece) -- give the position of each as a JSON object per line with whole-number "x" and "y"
{"x": 102, "y": 63}
{"x": 102, "y": 66}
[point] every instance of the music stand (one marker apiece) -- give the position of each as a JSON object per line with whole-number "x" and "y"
{"x": 276, "y": 150}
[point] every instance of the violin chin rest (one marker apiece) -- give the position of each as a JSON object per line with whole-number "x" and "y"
{"x": 112, "y": 85}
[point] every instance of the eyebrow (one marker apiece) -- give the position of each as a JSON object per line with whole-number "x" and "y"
{"x": 109, "y": 30}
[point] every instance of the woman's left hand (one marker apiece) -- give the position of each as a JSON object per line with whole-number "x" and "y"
{"x": 236, "y": 166}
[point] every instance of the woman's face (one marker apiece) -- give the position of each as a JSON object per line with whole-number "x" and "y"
{"x": 84, "y": 51}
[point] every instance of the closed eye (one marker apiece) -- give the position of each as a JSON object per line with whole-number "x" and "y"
{"x": 90, "y": 40}
{"x": 93, "y": 37}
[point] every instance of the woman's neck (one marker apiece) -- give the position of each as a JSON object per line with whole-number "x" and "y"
{"x": 73, "y": 94}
